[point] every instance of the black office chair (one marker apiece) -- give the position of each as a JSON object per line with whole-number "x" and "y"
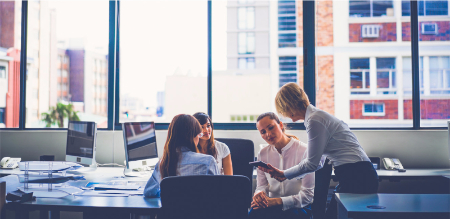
{"x": 205, "y": 197}
{"x": 242, "y": 152}
{"x": 322, "y": 184}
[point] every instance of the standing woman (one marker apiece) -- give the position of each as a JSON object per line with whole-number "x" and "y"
{"x": 180, "y": 156}
{"x": 217, "y": 149}
{"x": 329, "y": 136}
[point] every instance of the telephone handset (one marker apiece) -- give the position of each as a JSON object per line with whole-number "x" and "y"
{"x": 393, "y": 164}
{"x": 10, "y": 162}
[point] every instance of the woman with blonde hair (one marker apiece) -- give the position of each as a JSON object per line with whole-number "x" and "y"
{"x": 329, "y": 136}
{"x": 180, "y": 156}
{"x": 272, "y": 199}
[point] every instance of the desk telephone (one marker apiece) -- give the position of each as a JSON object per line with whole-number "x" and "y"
{"x": 393, "y": 164}
{"x": 10, "y": 162}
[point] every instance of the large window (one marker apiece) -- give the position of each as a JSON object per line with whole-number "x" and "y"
{"x": 163, "y": 62}
{"x": 68, "y": 61}
{"x": 363, "y": 67}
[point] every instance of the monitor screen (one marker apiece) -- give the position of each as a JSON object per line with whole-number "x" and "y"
{"x": 140, "y": 141}
{"x": 81, "y": 139}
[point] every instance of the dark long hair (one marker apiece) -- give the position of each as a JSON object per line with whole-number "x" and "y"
{"x": 181, "y": 133}
{"x": 203, "y": 118}
{"x": 273, "y": 116}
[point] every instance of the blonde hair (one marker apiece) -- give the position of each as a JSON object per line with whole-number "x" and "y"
{"x": 272, "y": 116}
{"x": 291, "y": 98}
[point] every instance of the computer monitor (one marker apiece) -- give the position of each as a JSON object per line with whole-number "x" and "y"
{"x": 140, "y": 144}
{"x": 448, "y": 123}
{"x": 81, "y": 139}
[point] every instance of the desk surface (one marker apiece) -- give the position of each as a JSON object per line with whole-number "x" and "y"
{"x": 356, "y": 204}
{"x": 136, "y": 204}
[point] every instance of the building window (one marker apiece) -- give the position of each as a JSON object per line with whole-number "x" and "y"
{"x": 439, "y": 75}
{"x": 246, "y": 18}
{"x": 360, "y": 76}
{"x": 386, "y": 77}
{"x": 371, "y": 8}
{"x": 426, "y": 8}
{"x": 2, "y": 115}
{"x": 287, "y": 40}
{"x": 288, "y": 70}
{"x": 2, "y": 72}
{"x": 287, "y": 24}
{"x": 407, "y": 75}
{"x": 373, "y": 109}
{"x": 246, "y": 63}
{"x": 246, "y": 43}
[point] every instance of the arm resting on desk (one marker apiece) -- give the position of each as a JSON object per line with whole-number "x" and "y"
{"x": 153, "y": 189}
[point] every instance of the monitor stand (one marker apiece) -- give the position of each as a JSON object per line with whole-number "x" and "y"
{"x": 133, "y": 173}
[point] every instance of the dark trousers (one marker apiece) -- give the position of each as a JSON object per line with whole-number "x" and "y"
{"x": 359, "y": 178}
{"x": 277, "y": 212}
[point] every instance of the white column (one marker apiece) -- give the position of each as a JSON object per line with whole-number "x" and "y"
{"x": 399, "y": 84}
{"x": 398, "y": 16}
{"x": 373, "y": 76}
{"x": 426, "y": 75}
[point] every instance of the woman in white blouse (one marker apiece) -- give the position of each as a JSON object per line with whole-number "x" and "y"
{"x": 328, "y": 136}
{"x": 273, "y": 199}
{"x": 217, "y": 149}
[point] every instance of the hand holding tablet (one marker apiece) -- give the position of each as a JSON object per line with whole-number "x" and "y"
{"x": 259, "y": 164}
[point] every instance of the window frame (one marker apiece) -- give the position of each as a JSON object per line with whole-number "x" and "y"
{"x": 308, "y": 63}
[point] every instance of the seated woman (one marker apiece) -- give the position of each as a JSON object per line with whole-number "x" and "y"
{"x": 180, "y": 156}
{"x": 217, "y": 149}
{"x": 289, "y": 199}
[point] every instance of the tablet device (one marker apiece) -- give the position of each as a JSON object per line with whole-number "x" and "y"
{"x": 259, "y": 164}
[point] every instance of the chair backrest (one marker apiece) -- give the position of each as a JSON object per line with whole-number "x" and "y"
{"x": 322, "y": 184}
{"x": 2, "y": 199}
{"x": 242, "y": 152}
{"x": 205, "y": 196}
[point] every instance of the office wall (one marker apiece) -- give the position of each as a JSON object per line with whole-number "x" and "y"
{"x": 416, "y": 149}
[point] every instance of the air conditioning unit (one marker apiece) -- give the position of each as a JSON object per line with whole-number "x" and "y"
{"x": 429, "y": 28}
{"x": 370, "y": 31}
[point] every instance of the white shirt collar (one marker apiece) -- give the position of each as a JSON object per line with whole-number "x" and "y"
{"x": 289, "y": 144}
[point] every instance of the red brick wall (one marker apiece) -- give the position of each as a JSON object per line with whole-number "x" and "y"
{"x": 325, "y": 90}
{"x": 388, "y": 33}
{"x": 7, "y": 24}
{"x": 299, "y": 4}
{"x": 324, "y": 23}
{"x": 390, "y": 107}
{"x": 443, "y": 31}
{"x": 429, "y": 109}
{"x": 300, "y": 70}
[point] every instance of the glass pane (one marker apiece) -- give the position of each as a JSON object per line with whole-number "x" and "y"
{"x": 10, "y": 14}
{"x": 163, "y": 63}
{"x": 353, "y": 73}
{"x": 67, "y": 63}
{"x": 382, "y": 8}
{"x": 439, "y": 7}
{"x": 269, "y": 50}
{"x": 433, "y": 47}
{"x": 359, "y": 8}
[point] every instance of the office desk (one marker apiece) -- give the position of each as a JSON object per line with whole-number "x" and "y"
{"x": 89, "y": 205}
{"x": 397, "y": 205}
{"x": 410, "y": 174}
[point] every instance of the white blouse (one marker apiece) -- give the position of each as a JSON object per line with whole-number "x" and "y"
{"x": 330, "y": 137}
{"x": 222, "y": 152}
{"x": 296, "y": 193}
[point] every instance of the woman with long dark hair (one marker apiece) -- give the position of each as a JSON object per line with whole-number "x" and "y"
{"x": 180, "y": 156}
{"x": 217, "y": 149}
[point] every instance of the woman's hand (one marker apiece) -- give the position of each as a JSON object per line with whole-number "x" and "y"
{"x": 260, "y": 200}
{"x": 274, "y": 172}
